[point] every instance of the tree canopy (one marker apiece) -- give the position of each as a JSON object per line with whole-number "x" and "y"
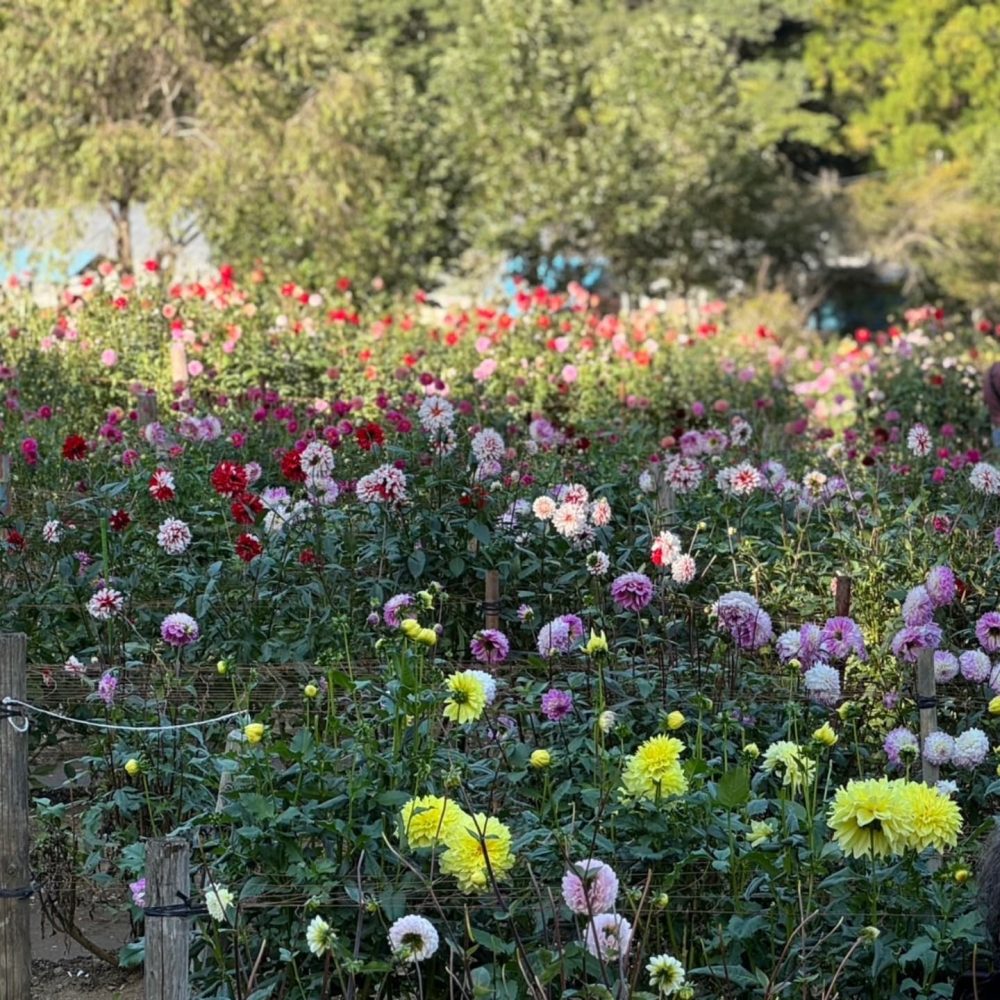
{"x": 680, "y": 141}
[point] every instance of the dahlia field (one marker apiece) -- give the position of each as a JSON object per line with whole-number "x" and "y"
{"x": 670, "y": 756}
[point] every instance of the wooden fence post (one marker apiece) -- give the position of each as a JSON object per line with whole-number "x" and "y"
{"x": 491, "y": 602}
{"x": 842, "y": 597}
{"x": 15, "y": 871}
{"x": 178, "y": 364}
{"x": 168, "y": 938}
{"x": 927, "y": 705}
{"x": 147, "y": 409}
{"x": 6, "y": 501}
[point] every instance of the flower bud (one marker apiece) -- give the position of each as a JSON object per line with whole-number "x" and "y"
{"x": 675, "y": 720}
{"x": 132, "y": 767}
{"x": 606, "y": 721}
{"x": 540, "y": 759}
{"x": 254, "y": 732}
{"x": 310, "y": 691}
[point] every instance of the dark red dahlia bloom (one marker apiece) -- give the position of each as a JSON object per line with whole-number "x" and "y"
{"x": 120, "y": 520}
{"x": 229, "y": 479}
{"x": 291, "y": 467}
{"x": 74, "y": 448}
{"x": 246, "y": 508}
{"x": 248, "y": 547}
{"x": 369, "y": 435}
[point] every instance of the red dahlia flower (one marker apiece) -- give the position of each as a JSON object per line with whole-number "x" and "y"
{"x": 229, "y": 479}
{"x": 74, "y": 448}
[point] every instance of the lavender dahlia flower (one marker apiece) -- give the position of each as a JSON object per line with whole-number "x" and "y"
{"x": 392, "y": 607}
{"x": 988, "y": 631}
{"x": 553, "y": 638}
{"x": 938, "y": 748}
{"x": 975, "y": 666}
{"x": 490, "y": 645}
{"x": 556, "y": 704}
{"x": 918, "y": 608}
{"x": 632, "y": 591}
{"x": 909, "y": 641}
{"x": 179, "y": 629}
{"x": 841, "y": 637}
{"x": 945, "y": 666}
{"x": 898, "y": 739}
{"x": 940, "y": 585}
{"x": 822, "y": 684}
{"x": 970, "y": 749}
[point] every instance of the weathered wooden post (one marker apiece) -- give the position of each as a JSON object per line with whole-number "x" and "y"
{"x": 15, "y": 871}
{"x": 168, "y": 884}
{"x": 927, "y": 705}
{"x": 6, "y": 501}
{"x": 178, "y": 364}
{"x": 146, "y": 408}
{"x": 842, "y": 597}
{"x": 491, "y": 601}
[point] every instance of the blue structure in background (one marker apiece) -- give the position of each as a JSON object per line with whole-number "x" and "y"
{"x": 551, "y": 274}
{"x": 48, "y": 269}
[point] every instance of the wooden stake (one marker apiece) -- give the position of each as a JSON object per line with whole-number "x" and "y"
{"x": 168, "y": 879}
{"x": 178, "y": 364}
{"x": 15, "y": 871}
{"x": 927, "y": 704}
{"x": 147, "y": 408}
{"x": 5, "y": 486}
{"x": 491, "y": 603}
{"x": 842, "y": 597}
{"x": 666, "y": 499}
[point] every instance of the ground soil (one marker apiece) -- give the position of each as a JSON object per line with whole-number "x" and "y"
{"x": 62, "y": 970}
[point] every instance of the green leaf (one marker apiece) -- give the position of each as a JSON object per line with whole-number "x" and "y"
{"x": 733, "y": 789}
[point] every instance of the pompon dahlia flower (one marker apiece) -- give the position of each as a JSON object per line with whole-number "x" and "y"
{"x": 975, "y": 666}
{"x": 632, "y": 591}
{"x": 898, "y": 740}
{"x": 918, "y": 608}
{"x": 393, "y": 606}
{"x": 556, "y": 704}
{"x": 654, "y": 770}
{"x": 179, "y": 630}
{"x": 429, "y": 820}
{"x": 590, "y": 886}
{"x": 173, "y": 536}
{"x": 941, "y": 586}
{"x": 413, "y": 938}
{"x": 665, "y": 549}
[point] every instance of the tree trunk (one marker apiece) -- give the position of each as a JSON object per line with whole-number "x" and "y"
{"x": 123, "y": 236}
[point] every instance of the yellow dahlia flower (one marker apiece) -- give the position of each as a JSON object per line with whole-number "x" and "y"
{"x": 871, "y": 817}
{"x": 468, "y": 697}
{"x": 789, "y": 761}
{"x": 429, "y": 820}
{"x": 936, "y": 820}
{"x": 470, "y": 844}
{"x": 654, "y": 770}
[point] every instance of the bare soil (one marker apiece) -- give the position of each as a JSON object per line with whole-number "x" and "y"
{"x": 62, "y": 970}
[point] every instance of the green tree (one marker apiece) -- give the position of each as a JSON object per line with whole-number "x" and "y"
{"x": 917, "y": 88}
{"x": 96, "y": 107}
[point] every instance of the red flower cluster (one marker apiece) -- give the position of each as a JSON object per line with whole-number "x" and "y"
{"x": 229, "y": 479}
{"x": 74, "y": 448}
